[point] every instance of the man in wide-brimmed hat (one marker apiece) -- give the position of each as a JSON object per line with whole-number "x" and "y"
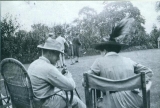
{"x": 115, "y": 67}
{"x": 46, "y": 79}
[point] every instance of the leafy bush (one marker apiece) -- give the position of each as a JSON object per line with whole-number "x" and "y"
{"x": 22, "y": 45}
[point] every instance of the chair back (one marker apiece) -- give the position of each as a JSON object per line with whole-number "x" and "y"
{"x": 17, "y": 82}
{"x": 93, "y": 83}
{"x": 4, "y": 97}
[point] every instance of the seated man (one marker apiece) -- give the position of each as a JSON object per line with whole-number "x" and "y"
{"x": 46, "y": 78}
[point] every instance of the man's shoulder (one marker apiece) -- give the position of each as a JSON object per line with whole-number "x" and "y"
{"x": 39, "y": 64}
{"x": 63, "y": 38}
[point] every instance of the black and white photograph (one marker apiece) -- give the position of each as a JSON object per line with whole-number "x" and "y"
{"x": 80, "y": 54}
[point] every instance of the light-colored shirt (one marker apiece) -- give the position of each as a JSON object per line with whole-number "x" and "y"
{"x": 116, "y": 67}
{"x": 61, "y": 40}
{"x": 45, "y": 77}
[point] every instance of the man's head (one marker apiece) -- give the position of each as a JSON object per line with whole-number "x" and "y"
{"x": 51, "y": 50}
{"x": 51, "y": 35}
{"x": 51, "y": 55}
{"x": 59, "y": 33}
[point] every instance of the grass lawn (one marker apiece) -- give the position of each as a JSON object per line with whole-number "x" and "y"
{"x": 149, "y": 58}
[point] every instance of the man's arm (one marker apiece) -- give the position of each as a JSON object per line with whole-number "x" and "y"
{"x": 91, "y": 72}
{"x": 79, "y": 42}
{"x": 64, "y": 82}
{"x": 65, "y": 42}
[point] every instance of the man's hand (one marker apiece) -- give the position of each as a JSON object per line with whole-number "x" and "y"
{"x": 64, "y": 71}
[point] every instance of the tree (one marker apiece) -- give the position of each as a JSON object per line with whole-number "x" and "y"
{"x": 87, "y": 26}
{"x": 20, "y": 44}
{"x": 157, "y": 7}
{"x": 20, "y": 39}
{"x": 87, "y": 13}
{"x": 9, "y": 25}
{"x": 40, "y": 32}
{"x": 114, "y": 12}
{"x": 59, "y": 28}
{"x": 154, "y": 36}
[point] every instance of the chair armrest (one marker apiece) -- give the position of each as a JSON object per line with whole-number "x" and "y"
{"x": 69, "y": 101}
{"x": 148, "y": 86}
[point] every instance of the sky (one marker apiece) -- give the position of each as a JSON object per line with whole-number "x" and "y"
{"x": 58, "y": 12}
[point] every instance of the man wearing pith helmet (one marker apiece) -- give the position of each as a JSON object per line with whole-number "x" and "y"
{"x": 46, "y": 79}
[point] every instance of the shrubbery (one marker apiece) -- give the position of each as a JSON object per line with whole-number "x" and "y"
{"x": 22, "y": 45}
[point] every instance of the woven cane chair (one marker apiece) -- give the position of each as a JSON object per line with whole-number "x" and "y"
{"x": 92, "y": 84}
{"x": 4, "y": 97}
{"x": 19, "y": 86}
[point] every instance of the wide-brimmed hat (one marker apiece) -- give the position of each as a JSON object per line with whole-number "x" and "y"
{"x": 120, "y": 29}
{"x": 108, "y": 44}
{"x": 51, "y": 44}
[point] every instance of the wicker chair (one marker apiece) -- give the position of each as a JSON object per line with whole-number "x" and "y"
{"x": 19, "y": 86}
{"x": 92, "y": 85}
{"x": 4, "y": 97}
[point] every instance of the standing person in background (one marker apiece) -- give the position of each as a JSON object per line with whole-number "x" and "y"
{"x": 63, "y": 41}
{"x": 66, "y": 48}
{"x": 71, "y": 53}
{"x": 76, "y": 44}
{"x": 69, "y": 49}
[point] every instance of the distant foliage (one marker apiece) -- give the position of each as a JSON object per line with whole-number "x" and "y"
{"x": 93, "y": 27}
{"x": 157, "y": 8}
{"x": 8, "y": 28}
{"x": 155, "y": 33}
{"x": 20, "y": 44}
